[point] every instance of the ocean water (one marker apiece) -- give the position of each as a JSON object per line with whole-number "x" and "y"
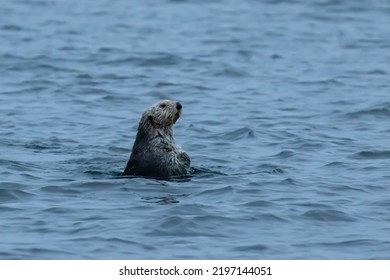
{"x": 286, "y": 118}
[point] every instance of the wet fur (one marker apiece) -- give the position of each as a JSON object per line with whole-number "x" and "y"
{"x": 155, "y": 153}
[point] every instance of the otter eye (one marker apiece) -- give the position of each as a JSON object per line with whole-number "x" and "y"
{"x": 163, "y": 105}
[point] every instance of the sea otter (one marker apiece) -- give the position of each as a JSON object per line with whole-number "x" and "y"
{"x": 155, "y": 153}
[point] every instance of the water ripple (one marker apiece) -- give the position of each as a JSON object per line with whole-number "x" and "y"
{"x": 328, "y": 216}
{"x": 372, "y": 155}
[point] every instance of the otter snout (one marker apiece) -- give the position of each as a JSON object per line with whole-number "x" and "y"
{"x": 178, "y": 106}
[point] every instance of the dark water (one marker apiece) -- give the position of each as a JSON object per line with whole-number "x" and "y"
{"x": 286, "y": 118}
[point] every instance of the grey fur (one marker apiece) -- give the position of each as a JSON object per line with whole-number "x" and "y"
{"x": 155, "y": 153}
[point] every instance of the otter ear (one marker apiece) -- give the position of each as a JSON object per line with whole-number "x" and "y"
{"x": 153, "y": 122}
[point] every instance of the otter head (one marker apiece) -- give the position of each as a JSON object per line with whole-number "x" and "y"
{"x": 162, "y": 115}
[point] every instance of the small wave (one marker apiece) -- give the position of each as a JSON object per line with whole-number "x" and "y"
{"x": 95, "y": 185}
{"x": 355, "y": 243}
{"x": 9, "y": 209}
{"x": 9, "y": 185}
{"x": 165, "y": 84}
{"x": 45, "y": 253}
{"x": 328, "y": 82}
{"x": 372, "y": 155}
{"x": 58, "y": 210}
{"x": 39, "y": 146}
{"x": 377, "y": 72}
{"x": 38, "y": 82}
{"x": 110, "y": 240}
{"x": 40, "y": 66}
{"x": 35, "y": 89}
{"x": 346, "y": 188}
{"x": 174, "y": 226}
{"x": 228, "y": 71}
{"x": 207, "y": 225}
{"x": 258, "y": 203}
{"x": 100, "y": 174}
{"x": 157, "y": 60}
{"x": 217, "y": 191}
{"x": 9, "y": 195}
{"x": 240, "y": 133}
{"x": 197, "y": 2}
{"x": 213, "y": 220}
{"x": 181, "y": 178}
{"x": 162, "y": 200}
{"x": 204, "y": 172}
{"x": 328, "y": 216}
{"x": 114, "y": 76}
{"x": 126, "y": 242}
{"x": 11, "y": 27}
{"x": 175, "y": 221}
{"x": 382, "y": 110}
{"x": 383, "y": 203}
{"x": 84, "y": 76}
{"x": 269, "y": 169}
{"x": 285, "y": 154}
{"x": 289, "y": 182}
{"x": 313, "y": 205}
{"x": 251, "y": 248}
{"x": 271, "y": 218}
{"x": 336, "y": 164}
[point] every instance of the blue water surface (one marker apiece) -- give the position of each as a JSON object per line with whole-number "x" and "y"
{"x": 286, "y": 109}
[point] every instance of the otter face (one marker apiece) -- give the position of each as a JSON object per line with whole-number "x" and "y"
{"x": 164, "y": 113}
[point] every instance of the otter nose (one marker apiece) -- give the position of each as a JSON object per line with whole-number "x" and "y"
{"x": 178, "y": 106}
